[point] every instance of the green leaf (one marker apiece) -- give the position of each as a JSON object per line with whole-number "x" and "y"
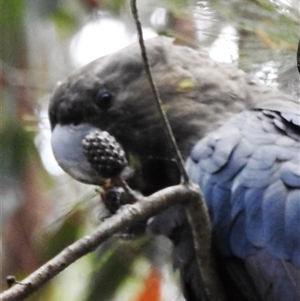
{"x": 63, "y": 20}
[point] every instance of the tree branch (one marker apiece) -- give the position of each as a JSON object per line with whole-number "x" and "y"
{"x": 144, "y": 208}
{"x": 199, "y": 221}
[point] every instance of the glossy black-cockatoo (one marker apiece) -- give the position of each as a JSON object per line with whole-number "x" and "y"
{"x": 241, "y": 143}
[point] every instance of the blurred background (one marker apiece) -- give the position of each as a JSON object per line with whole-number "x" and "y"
{"x": 42, "y": 209}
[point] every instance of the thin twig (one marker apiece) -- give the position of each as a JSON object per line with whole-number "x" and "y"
{"x": 298, "y": 57}
{"x": 196, "y": 208}
{"x": 158, "y": 101}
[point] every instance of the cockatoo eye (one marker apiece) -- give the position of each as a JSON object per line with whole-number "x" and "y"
{"x": 104, "y": 99}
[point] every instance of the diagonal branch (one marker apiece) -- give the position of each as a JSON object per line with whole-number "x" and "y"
{"x": 143, "y": 209}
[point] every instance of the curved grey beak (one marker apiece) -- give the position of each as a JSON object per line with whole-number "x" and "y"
{"x": 68, "y": 151}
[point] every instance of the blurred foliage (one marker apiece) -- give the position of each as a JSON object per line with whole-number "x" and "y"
{"x": 114, "y": 6}
{"x": 12, "y": 31}
{"x": 261, "y": 16}
{"x": 36, "y": 37}
{"x": 67, "y": 233}
{"x": 151, "y": 290}
{"x": 177, "y": 6}
{"x": 63, "y": 20}
{"x": 16, "y": 145}
{"x": 113, "y": 268}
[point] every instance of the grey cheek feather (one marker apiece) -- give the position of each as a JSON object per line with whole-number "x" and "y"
{"x": 68, "y": 151}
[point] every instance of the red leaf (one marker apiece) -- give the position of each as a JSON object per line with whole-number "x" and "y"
{"x": 151, "y": 290}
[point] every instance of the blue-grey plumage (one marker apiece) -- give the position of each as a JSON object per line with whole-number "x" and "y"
{"x": 241, "y": 143}
{"x": 258, "y": 166}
